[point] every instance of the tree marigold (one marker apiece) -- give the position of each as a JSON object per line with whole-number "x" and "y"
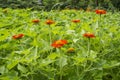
{"x": 89, "y": 35}
{"x": 76, "y": 21}
{"x": 49, "y": 22}
{"x": 36, "y": 21}
{"x": 59, "y": 43}
{"x": 17, "y": 36}
{"x": 100, "y": 11}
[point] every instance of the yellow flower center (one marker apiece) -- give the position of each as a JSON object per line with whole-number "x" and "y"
{"x": 58, "y": 42}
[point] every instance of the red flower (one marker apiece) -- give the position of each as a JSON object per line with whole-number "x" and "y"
{"x": 100, "y": 12}
{"x": 89, "y": 35}
{"x": 18, "y": 36}
{"x": 49, "y": 22}
{"x": 59, "y": 43}
{"x": 76, "y": 21}
{"x": 36, "y": 21}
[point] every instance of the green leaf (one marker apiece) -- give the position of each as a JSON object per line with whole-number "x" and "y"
{"x": 12, "y": 64}
{"x": 63, "y": 61}
{"x": 53, "y": 56}
{"x": 2, "y": 69}
{"x": 22, "y": 68}
{"x": 111, "y": 64}
{"x": 46, "y": 62}
{"x": 93, "y": 54}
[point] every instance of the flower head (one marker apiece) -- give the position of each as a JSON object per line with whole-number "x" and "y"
{"x": 89, "y": 35}
{"x": 36, "y": 21}
{"x": 100, "y": 11}
{"x": 49, "y": 22}
{"x": 59, "y": 43}
{"x": 71, "y": 50}
{"x": 76, "y": 21}
{"x": 17, "y": 36}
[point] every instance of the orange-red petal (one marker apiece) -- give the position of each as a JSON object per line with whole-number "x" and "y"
{"x": 36, "y": 21}
{"x": 76, "y": 21}
{"x": 59, "y": 43}
{"x": 17, "y": 36}
{"x": 89, "y": 35}
{"x": 100, "y": 12}
{"x": 49, "y": 22}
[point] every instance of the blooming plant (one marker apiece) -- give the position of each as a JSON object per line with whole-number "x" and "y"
{"x": 36, "y": 21}
{"x": 59, "y": 43}
{"x": 49, "y": 22}
{"x": 76, "y": 21}
{"x": 34, "y": 55}
{"x": 100, "y": 12}
{"x": 18, "y": 36}
{"x": 89, "y": 35}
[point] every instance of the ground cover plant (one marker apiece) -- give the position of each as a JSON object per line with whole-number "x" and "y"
{"x": 59, "y": 45}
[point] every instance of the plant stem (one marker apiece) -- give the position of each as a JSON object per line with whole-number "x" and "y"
{"x": 60, "y": 69}
{"x": 60, "y": 63}
{"x": 88, "y": 47}
{"x": 77, "y": 68}
{"x": 50, "y": 34}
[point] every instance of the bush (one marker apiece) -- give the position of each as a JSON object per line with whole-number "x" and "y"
{"x": 60, "y": 4}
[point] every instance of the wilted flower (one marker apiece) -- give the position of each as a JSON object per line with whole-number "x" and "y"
{"x": 88, "y": 9}
{"x": 100, "y": 11}
{"x": 49, "y": 22}
{"x": 5, "y": 10}
{"x": 59, "y": 43}
{"x": 76, "y": 21}
{"x": 89, "y": 35}
{"x": 71, "y": 50}
{"x": 81, "y": 9}
{"x": 17, "y": 36}
{"x": 36, "y": 21}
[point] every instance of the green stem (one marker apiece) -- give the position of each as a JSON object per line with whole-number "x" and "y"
{"x": 100, "y": 27}
{"x": 77, "y": 70}
{"x": 60, "y": 63}
{"x": 50, "y": 34}
{"x": 35, "y": 54}
{"x": 88, "y": 47}
{"x": 60, "y": 69}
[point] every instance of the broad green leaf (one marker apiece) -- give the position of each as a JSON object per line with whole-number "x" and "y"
{"x": 2, "y": 69}
{"x": 12, "y": 64}
{"x": 46, "y": 62}
{"x": 22, "y": 68}
{"x": 63, "y": 61}
{"x": 53, "y": 56}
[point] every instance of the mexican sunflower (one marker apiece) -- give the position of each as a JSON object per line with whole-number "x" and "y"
{"x": 100, "y": 11}
{"x": 76, "y": 21}
{"x": 89, "y": 35}
{"x": 36, "y": 21}
{"x": 49, "y": 22}
{"x": 17, "y": 36}
{"x": 59, "y": 43}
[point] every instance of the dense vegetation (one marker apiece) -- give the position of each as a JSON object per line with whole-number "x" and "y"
{"x": 69, "y": 46}
{"x": 61, "y": 4}
{"x": 59, "y": 40}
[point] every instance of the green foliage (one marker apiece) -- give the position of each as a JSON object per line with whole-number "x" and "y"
{"x": 60, "y": 4}
{"x": 33, "y": 58}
